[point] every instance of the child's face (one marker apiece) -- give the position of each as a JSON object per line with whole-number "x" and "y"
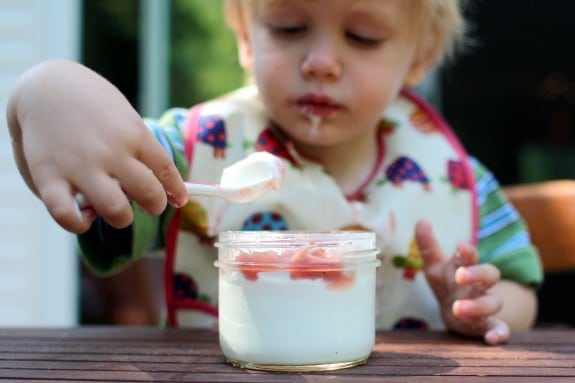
{"x": 339, "y": 60}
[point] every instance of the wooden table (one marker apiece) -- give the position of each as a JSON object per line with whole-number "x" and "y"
{"x": 129, "y": 354}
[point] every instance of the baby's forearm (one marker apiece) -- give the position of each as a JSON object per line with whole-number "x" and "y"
{"x": 519, "y": 309}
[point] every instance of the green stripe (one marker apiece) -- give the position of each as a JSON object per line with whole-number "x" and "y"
{"x": 522, "y": 264}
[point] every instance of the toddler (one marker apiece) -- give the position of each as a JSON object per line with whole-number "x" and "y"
{"x": 330, "y": 97}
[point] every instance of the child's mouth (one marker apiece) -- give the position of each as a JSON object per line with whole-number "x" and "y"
{"x": 316, "y": 105}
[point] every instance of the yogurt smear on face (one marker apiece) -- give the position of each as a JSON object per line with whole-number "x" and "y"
{"x": 277, "y": 319}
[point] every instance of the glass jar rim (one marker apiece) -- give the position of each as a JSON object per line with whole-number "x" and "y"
{"x": 347, "y": 240}
{"x": 346, "y": 248}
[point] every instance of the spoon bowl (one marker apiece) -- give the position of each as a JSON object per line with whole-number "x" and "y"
{"x": 245, "y": 180}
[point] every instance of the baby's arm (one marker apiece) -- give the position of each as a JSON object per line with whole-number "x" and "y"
{"x": 73, "y": 131}
{"x": 474, "y": 300}
{"x": 519, "y": 308}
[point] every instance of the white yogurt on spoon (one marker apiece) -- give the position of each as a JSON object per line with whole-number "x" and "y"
{"x": 245, "y": 180}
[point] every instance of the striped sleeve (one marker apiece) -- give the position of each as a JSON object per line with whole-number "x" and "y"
{"x": 169, "y": 131}
{"x": 502, "y": 234}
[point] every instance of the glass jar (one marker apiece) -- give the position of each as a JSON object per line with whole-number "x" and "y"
{"x": 297, "y": 301}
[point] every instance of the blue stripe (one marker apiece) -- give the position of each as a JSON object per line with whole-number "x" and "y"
{"x": 519, "y": 240}
{"x": 497, "y": 220}
{"x": 162, "y": 139}
{"x": 175, "y": 138}
{"x": 484, "y": 186}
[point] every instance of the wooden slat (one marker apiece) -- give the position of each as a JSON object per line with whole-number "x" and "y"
{"x": 200, "y": 376}
{"x": 402, "y": 369}
{"x": 149, "y": 354}
{"x": 13, "y": 360}
{"x": 335, "y": 379}
{"x": 143, "y": 334}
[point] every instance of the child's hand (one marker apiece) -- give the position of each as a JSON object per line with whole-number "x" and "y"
{"x": 462, "y": 288}
{"x": 74, "y": 132}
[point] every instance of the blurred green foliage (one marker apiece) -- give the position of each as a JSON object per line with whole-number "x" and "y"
{"x": 203, "y": 57}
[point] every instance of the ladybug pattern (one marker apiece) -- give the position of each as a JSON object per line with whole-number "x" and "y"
{"x": 269, "y": 143}
{"x": 212, "y": 131}
{"x": 409, "y": 323}
{"x": 405, "y": 169}
{"x": 456, "y": 175}
{"x": 265, "y": 221}
{"x": 186, "y": 289}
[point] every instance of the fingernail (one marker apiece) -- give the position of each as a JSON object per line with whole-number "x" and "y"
{"x": 77, "y": 210}
{"x": 176, "y": 202}
{"x": 460, "y": 309}
{"x": 495, "y": 336}
{"x": 180, "y": 203}
{"x": 143, "y": 210}
{"x": 462, "y": 275}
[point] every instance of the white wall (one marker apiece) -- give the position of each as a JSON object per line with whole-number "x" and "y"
{"x": 38, "y": 262}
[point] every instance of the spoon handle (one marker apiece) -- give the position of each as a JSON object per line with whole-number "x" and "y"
{"x": 203, "y": 189}
{"x": 192, "y": 188}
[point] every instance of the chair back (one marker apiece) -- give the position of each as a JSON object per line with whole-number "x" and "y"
{"x": 548, "y": 208}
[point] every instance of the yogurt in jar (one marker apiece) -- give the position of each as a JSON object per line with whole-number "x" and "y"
{"x": 297, "y": 301}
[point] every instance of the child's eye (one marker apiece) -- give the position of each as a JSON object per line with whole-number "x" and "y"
{"x": 363, "y": 40}
{"x": 288, "y": 30}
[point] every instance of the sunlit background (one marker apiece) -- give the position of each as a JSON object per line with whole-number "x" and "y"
{"x": 511, "y": 97}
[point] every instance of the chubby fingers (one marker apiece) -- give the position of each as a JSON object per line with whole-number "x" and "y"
{"x": 427, "y": 244}
{"x": 58, "y": 198}
{"x": 498, "y": 331}
{"x": 477, "y": 318}
{"x": 74, "y": 206}
{"x": 482, "y": 306}
{"x": 437, "y": 269}
{"x": 141, "y": 185}
{"x": 465, "y": 255}
{"x": 155, "y": 157}
{"x": 149, "y": 178}
{"x": 485, "y": 275}
{"x": 108, "y": 199}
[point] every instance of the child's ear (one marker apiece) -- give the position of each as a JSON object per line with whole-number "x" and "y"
{"x": 245, "y": 53}
{"x": 418, "y": 70}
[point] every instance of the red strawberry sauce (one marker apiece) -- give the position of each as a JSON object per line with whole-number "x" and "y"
{"x": 306, "y": 263}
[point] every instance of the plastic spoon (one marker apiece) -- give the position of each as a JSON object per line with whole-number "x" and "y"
{"x": 241, "y": 182}
{"x": 245, "y": 180}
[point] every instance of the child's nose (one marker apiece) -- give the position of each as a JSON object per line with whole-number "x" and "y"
{"x": 322, "y": 61}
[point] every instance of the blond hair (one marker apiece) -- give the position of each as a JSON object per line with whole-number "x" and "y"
{"x": 440, "y": 26}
